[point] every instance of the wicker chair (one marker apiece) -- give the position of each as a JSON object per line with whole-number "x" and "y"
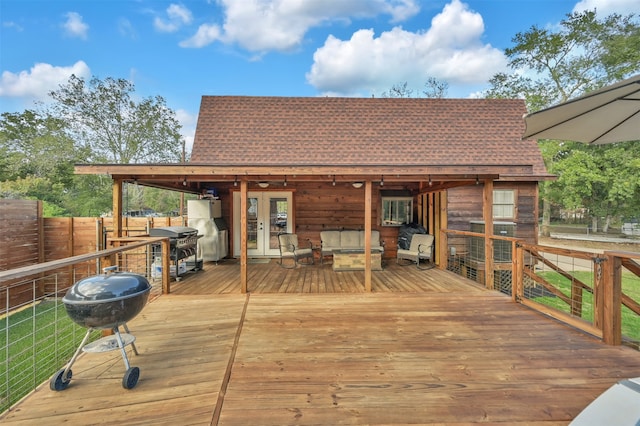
{"x": 421, "y": 248}
{"x": 290, "y": 250}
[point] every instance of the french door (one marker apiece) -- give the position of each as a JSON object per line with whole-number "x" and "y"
{"x": 268, "y": 214}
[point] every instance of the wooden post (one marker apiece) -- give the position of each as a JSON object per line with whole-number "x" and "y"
{"x": 117, "y": 208}
{"x": 487, "y": 214}
{"x": 367, "y": 236}
{"x": 243, "y": 236}
{"x": 600, "y": 274}
{"x": 517, "y": 271}
{"x": 430, "y": 223}
{"x": 612, "y": 299}
{"x": 40, "y": 219}
{"x": 442, "y": 222}
{"x": 166, "y": 266}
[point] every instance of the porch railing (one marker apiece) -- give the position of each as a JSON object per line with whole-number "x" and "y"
{"x": 598, "y": 293}
{"x": 36, "y": 335}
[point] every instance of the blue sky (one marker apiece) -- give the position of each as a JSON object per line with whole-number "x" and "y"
{"x": 182, "y": 50}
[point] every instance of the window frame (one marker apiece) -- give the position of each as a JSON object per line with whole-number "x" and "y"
{"x": 395, "y": 200}
{"x": 512, "y": 204}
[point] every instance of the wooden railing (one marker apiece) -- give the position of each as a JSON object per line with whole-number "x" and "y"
{"x": 595, "y": 292}
{"x": 31, "y": 304}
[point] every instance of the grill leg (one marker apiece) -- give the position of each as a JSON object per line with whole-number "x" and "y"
{"x": 133, "y": 344}
{"x": 75, "y": 355}
{"x": 121, "y": 346}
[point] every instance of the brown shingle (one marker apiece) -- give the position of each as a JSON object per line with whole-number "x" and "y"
{"x": 268, "y": 131}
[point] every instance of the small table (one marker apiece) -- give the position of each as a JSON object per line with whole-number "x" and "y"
{"x": 353, "y": 260}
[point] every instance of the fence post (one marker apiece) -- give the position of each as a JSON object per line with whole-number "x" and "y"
{"x": 517, "y": 272}
{"x": 608, "y": 276}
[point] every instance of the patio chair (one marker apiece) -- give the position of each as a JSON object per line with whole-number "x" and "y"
{"x": 290, "y": 250}
{"x": 421, "y": 248}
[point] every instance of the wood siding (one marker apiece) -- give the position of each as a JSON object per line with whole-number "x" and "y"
{"x": 465, "y": 206}
{"x": 317, "y": 206}
{"x": 320, "y": 206}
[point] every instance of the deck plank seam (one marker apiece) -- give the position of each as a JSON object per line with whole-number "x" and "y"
{"x": 232, "y": 357}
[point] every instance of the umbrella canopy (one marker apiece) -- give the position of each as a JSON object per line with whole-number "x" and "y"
{"x": 607, "y": 115}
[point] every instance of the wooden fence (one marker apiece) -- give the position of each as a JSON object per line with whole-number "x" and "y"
{"x": 26, "y": 238}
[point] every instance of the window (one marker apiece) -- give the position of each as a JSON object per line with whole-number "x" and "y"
{"x": 397, "y": 211}
{"x": 504, "y": 205}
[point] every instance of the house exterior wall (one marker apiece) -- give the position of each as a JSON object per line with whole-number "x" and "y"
{"x": 321, "y": 206}
{"x": 465, "y": 206}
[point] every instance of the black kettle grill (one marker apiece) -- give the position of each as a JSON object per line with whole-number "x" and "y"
{"x": 105, "y": 302}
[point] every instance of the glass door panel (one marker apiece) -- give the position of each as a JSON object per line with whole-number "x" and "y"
{"x": 268, "y": 214}
{"x": 278, "y": 219}
{"x": 252, "y": 223}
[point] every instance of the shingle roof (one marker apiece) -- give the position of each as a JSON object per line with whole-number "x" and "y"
{"x": 298, "y": 131}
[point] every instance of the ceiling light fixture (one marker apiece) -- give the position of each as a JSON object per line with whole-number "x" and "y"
{"x": 235, "y": 181}
{"x": 381, "y": 180}
{"x": 357, "y": 185}
{"x": 334, "y": 180}
{"x": 263, "y": 184}
{"x": 285, "y": 180}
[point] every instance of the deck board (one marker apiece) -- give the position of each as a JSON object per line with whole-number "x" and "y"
{"x": 423, "y": 347}
{"x": 222, "y": 278}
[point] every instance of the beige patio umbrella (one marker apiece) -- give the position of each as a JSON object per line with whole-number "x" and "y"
{"x": 607, "y": 115}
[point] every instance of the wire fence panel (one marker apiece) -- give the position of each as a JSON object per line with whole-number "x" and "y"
{"x": 37, "y": 337}
{"x": 570, "y": 285}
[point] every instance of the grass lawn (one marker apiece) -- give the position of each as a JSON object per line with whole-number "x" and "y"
{"x": 630, "y": 286}
{"x": 35, "y": 343}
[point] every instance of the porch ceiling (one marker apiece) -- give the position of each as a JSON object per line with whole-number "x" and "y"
{"x": 191, "y": 177}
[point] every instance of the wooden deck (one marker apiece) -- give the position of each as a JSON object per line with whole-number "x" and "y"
{"x": 269, "y": 277}
{"x": 416, "y": 351}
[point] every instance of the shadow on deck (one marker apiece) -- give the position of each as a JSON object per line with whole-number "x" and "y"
{"x": 412, "y": 351}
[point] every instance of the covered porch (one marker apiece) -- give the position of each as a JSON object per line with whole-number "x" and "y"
{"x": 440, "y": 349}
{"x": 266, "y": 276}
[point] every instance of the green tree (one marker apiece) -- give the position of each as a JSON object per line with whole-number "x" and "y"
{"x": 36, "y": 144}
{"x": 602, "y": 180}
{"x": 433, "y": 88}
{"x": 553, "y": 65}
{"x": 94, "y": 122}
{"x": 38, "y": 159}
{"x": 117, "y": 129}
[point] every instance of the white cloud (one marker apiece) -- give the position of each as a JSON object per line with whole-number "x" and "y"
{"x": 264, "y": 25}
{"x": 74, "y": 26}
{"x": 125, "y": 28}
{"x": 206, "y": 35}
{"x": 177, "y": 16}
{"x": 12, "y": 25}
{"x": 450, "y": 50}
{"x": 607, "y": 7}
{"x": 37, "y": 82}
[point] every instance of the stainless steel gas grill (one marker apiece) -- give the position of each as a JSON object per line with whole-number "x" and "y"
{"x": 183, "y": 246}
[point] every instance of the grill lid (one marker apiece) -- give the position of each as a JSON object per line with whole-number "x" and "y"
{"x": 105, "y": 288}
{"x": 173, "y": 231}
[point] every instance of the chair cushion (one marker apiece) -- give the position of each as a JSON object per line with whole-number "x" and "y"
{"x": 350, "y": 240}
{"x": 330, "y": 239}
{"x": 421, "y": 243}
{"x": 288, "y": 243}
